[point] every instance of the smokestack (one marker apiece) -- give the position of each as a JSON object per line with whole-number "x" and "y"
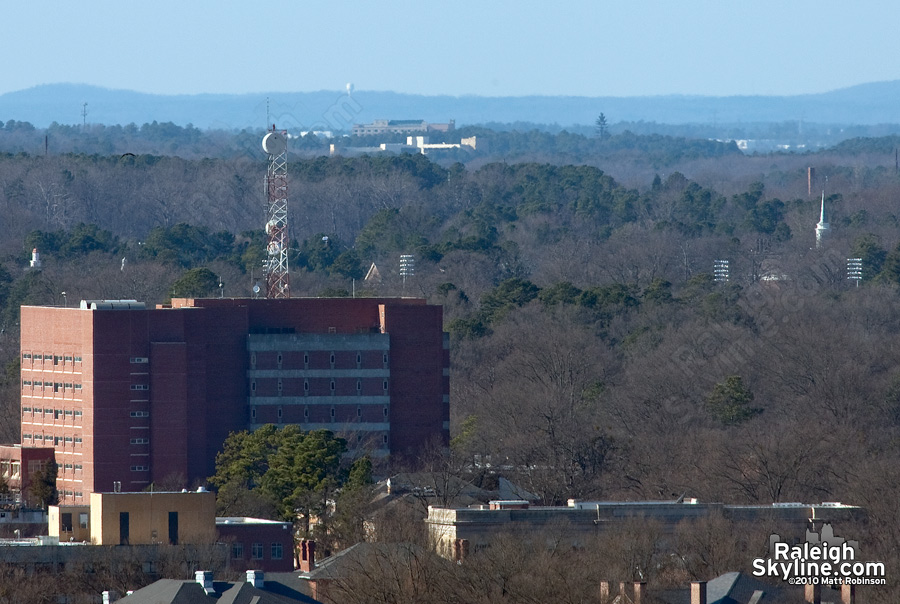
{"x": 698, "y": 592}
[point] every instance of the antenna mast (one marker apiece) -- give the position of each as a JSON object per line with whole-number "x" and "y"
{"x": 276, "y": 264}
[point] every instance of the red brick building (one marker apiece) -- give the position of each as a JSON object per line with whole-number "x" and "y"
{"x": 131, "y": 395}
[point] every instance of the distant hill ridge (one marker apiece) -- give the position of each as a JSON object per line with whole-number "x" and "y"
{"x": 865, "y": 104}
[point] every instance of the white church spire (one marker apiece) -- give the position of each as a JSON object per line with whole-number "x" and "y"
{"x": 823, "y": 228}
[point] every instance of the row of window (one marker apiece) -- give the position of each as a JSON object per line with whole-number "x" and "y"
{"x": 140, "y": 441}
{"x": 56, "y": 413}
{"x": 306, "y": 413}
{"x": 257, "y": 550}
{"x": 331, "y": 360}
{"x": 72, "y": 467}
{"x": 139, "y": 414}
{"x": 140, "y": 468}
{"x": 384, "y": 386}
{"x": 74, "y": 494}
{"x": 140, "y": 387}
{"x": 56, "y": 358}
{"x": 54, "y": 439}
{"x": 57, "y": 386}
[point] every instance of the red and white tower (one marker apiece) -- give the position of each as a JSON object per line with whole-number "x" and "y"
{"x": 277, "y": 281}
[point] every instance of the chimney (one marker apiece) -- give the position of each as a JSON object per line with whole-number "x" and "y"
{"x": 256, "y": 578}
{"x": 813, "y": 594}
{"x": 205, "y": 578}
{"x": 848, "y": 594}
{"x": 307, "y": 555}
{"x": 639, "y": 588}
{"x": 110, "y": 596}
{"x": 460, "y": 549}
{"x": 604, "y": 592}
{"x": 698, "y": 592}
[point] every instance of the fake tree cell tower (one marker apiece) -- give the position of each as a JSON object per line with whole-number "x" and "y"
{"x": 277, "y": 282}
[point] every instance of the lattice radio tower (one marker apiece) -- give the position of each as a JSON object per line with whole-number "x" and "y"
{"x": 276, "y": 264}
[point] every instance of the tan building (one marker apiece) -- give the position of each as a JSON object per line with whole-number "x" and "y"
{"x": 144, "y": 518}
{"x": 70, "y": 522}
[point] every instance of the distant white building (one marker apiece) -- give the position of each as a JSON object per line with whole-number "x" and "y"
{"x": 823, "y": 228}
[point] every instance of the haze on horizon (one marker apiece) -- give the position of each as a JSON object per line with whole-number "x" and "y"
{"x": 499, "y": 48}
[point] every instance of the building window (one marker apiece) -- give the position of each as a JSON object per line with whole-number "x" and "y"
{"x": 68, "y": 440}
{"x": 277, "y": 551}
{"x": 56, "y": 360}
{"x": 280, "y": 414}
{"x": 280, "y": 359}
{"x": 82, "y": 516}
{"x": 132, "y": 414}
{"x": 280, "y": 386}
{"x": 26, "y": 409}
{"x": 253, "y": 387}
{"x": 237, "y": 551}
{"x": 359, "y": 412}
{"x": 140, "y": 387}
{"x": 26, "y": 437}
{"x": 26, "y": 356}
{"x": 253, "y": 360}
{"x": 253, "y": 414}
{"x": 67, "y": 386}
{"x": 77, "y": 440}
{"x": 385, "y": 411}
{"x": 358, "y": 386}
{"x": 332, "y": 414}
{"x": 66, "y": 522}
{"x": 385, "y": 385}
{"x": 306, "y": 386}
{"x": 332, "y": 386}
{"x": 256, "y": 551}
{"x": 140, "y": 441}
{"x": 78, "y": 467}
{"x": 332, "y": 330}
{"x": 77, "y": 359}
{"x": 331, "y": 360}
{"x": 48, "y": 411}
{"x": 384, "y": 438}
{"x": 306, "y": 360}
{"x": 79, "y": 413}
{"x": 140, "y": 469}
{"x": 77, "y": 386}
{"x": 358, "y": 360}
{"x": 139, "y": 360}
{"x": 68, "y": 358}
{"x": 306, "y": 413}
{"x": 385, "y": 359}
{"x": 57, "y": 386}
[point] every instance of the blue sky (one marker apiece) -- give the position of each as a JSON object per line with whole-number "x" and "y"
{"x": 487, "y": 47}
